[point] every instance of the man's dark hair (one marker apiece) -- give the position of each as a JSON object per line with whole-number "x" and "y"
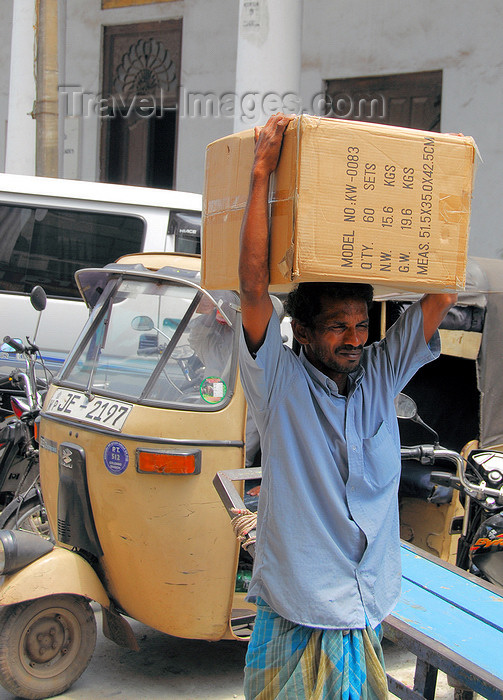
{"x": 304, "y": 302}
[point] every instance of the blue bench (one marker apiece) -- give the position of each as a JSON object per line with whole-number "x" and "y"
{"x": 451, "y": 621}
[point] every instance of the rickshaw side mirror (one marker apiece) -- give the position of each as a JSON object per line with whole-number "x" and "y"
{"x": 405, "y": 407}
{"x": 142, "y": 323}
{"x": 38, "y": 298}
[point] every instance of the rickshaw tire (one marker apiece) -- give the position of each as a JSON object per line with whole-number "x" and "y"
{"x": 45, "y": 645}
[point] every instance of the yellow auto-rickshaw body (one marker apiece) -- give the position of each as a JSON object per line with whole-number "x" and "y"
{"x": 162, "y": 546}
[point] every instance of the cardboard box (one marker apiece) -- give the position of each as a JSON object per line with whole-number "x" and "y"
{"x": 350, "y": 201}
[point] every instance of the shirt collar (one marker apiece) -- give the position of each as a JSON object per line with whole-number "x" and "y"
{"x": 328, "y": 384}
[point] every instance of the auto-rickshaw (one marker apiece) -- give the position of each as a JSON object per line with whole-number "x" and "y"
{"x": 146, "y": 409}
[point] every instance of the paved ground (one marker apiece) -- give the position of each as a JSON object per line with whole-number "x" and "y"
{"x": 178, "y": 669}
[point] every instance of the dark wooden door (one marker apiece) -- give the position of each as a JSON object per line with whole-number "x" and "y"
{"x": 139, "y": 117}
{"x": 407, "y": 99}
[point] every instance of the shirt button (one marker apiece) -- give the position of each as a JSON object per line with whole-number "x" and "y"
{"x": 354, "y": 448}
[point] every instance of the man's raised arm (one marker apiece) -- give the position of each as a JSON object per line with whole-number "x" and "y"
{"x": 256, "y": 304}
{"x": 435, "y": 308}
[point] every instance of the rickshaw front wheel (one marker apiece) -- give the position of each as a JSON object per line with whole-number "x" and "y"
{"x": 45, "y": 645}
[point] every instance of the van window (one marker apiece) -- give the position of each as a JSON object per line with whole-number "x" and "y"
{"x": 46, "y": 246}
{"x": 185, "y": 227}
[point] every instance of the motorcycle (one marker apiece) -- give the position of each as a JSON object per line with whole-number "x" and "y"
{"x": 21, "y": 503}
{"x": 480, "y": 483}
{"x": 478, "y": 477}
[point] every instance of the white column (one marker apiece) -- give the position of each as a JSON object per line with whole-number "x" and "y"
{"x": 21, "y": 127}
{"x": 268, "y": 60}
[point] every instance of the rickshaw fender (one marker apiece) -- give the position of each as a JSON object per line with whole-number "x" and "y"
{"x": 58, "y": 572}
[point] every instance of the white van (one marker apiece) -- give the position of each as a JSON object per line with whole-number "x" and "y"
{"x": 49, "y": 228}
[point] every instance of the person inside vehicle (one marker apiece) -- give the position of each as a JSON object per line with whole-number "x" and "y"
{"x": 327, "y": 557}
{"x": 212, "y": 338}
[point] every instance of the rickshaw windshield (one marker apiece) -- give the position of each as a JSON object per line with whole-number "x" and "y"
{"x": 160, "y": 342}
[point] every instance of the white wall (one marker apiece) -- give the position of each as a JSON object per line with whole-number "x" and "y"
{"x": 81, "y": 55}
{"x": 208, "y": 66}
{"x": 5, "y": 41}
{"x": 209, "y": 47}
{"x": 341, "y": 39}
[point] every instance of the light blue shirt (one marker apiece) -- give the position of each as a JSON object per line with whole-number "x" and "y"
{"x": 327, "y": 552}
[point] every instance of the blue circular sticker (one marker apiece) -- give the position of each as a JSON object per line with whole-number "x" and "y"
{"x": 116, "y": 457}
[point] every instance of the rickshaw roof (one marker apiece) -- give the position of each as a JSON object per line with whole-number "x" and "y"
{"x": 156, "y": 261}
{"x": 171, "y": 266}
{"x": 479, "y": 282}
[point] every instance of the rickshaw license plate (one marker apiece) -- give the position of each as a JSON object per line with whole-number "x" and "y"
{"x": 97, "y": 411}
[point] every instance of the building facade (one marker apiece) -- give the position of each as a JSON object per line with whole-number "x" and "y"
{"x": 143, "y": 87}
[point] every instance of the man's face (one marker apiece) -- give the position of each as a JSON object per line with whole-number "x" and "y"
{"x": 335, "y": 344}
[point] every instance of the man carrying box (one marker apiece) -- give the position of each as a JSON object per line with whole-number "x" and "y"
{"x": 327, "y": 562}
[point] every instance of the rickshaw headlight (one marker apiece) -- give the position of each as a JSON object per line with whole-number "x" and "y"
{"x": 18, "y": 549}
{"x": 168, "y": 461}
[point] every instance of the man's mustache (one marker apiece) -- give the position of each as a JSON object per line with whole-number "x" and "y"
{"x": 349, "y": 348}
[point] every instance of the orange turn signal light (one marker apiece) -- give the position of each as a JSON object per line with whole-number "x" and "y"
{"x": 36, "y": 429}
{"x": 168, "y": 461}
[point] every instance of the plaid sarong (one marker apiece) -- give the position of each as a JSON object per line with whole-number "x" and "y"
{"x": 286, "y": 661}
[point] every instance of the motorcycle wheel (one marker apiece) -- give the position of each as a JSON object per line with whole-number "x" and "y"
{"x": 45, "y": 645}
{"x": 31, "y": 517}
